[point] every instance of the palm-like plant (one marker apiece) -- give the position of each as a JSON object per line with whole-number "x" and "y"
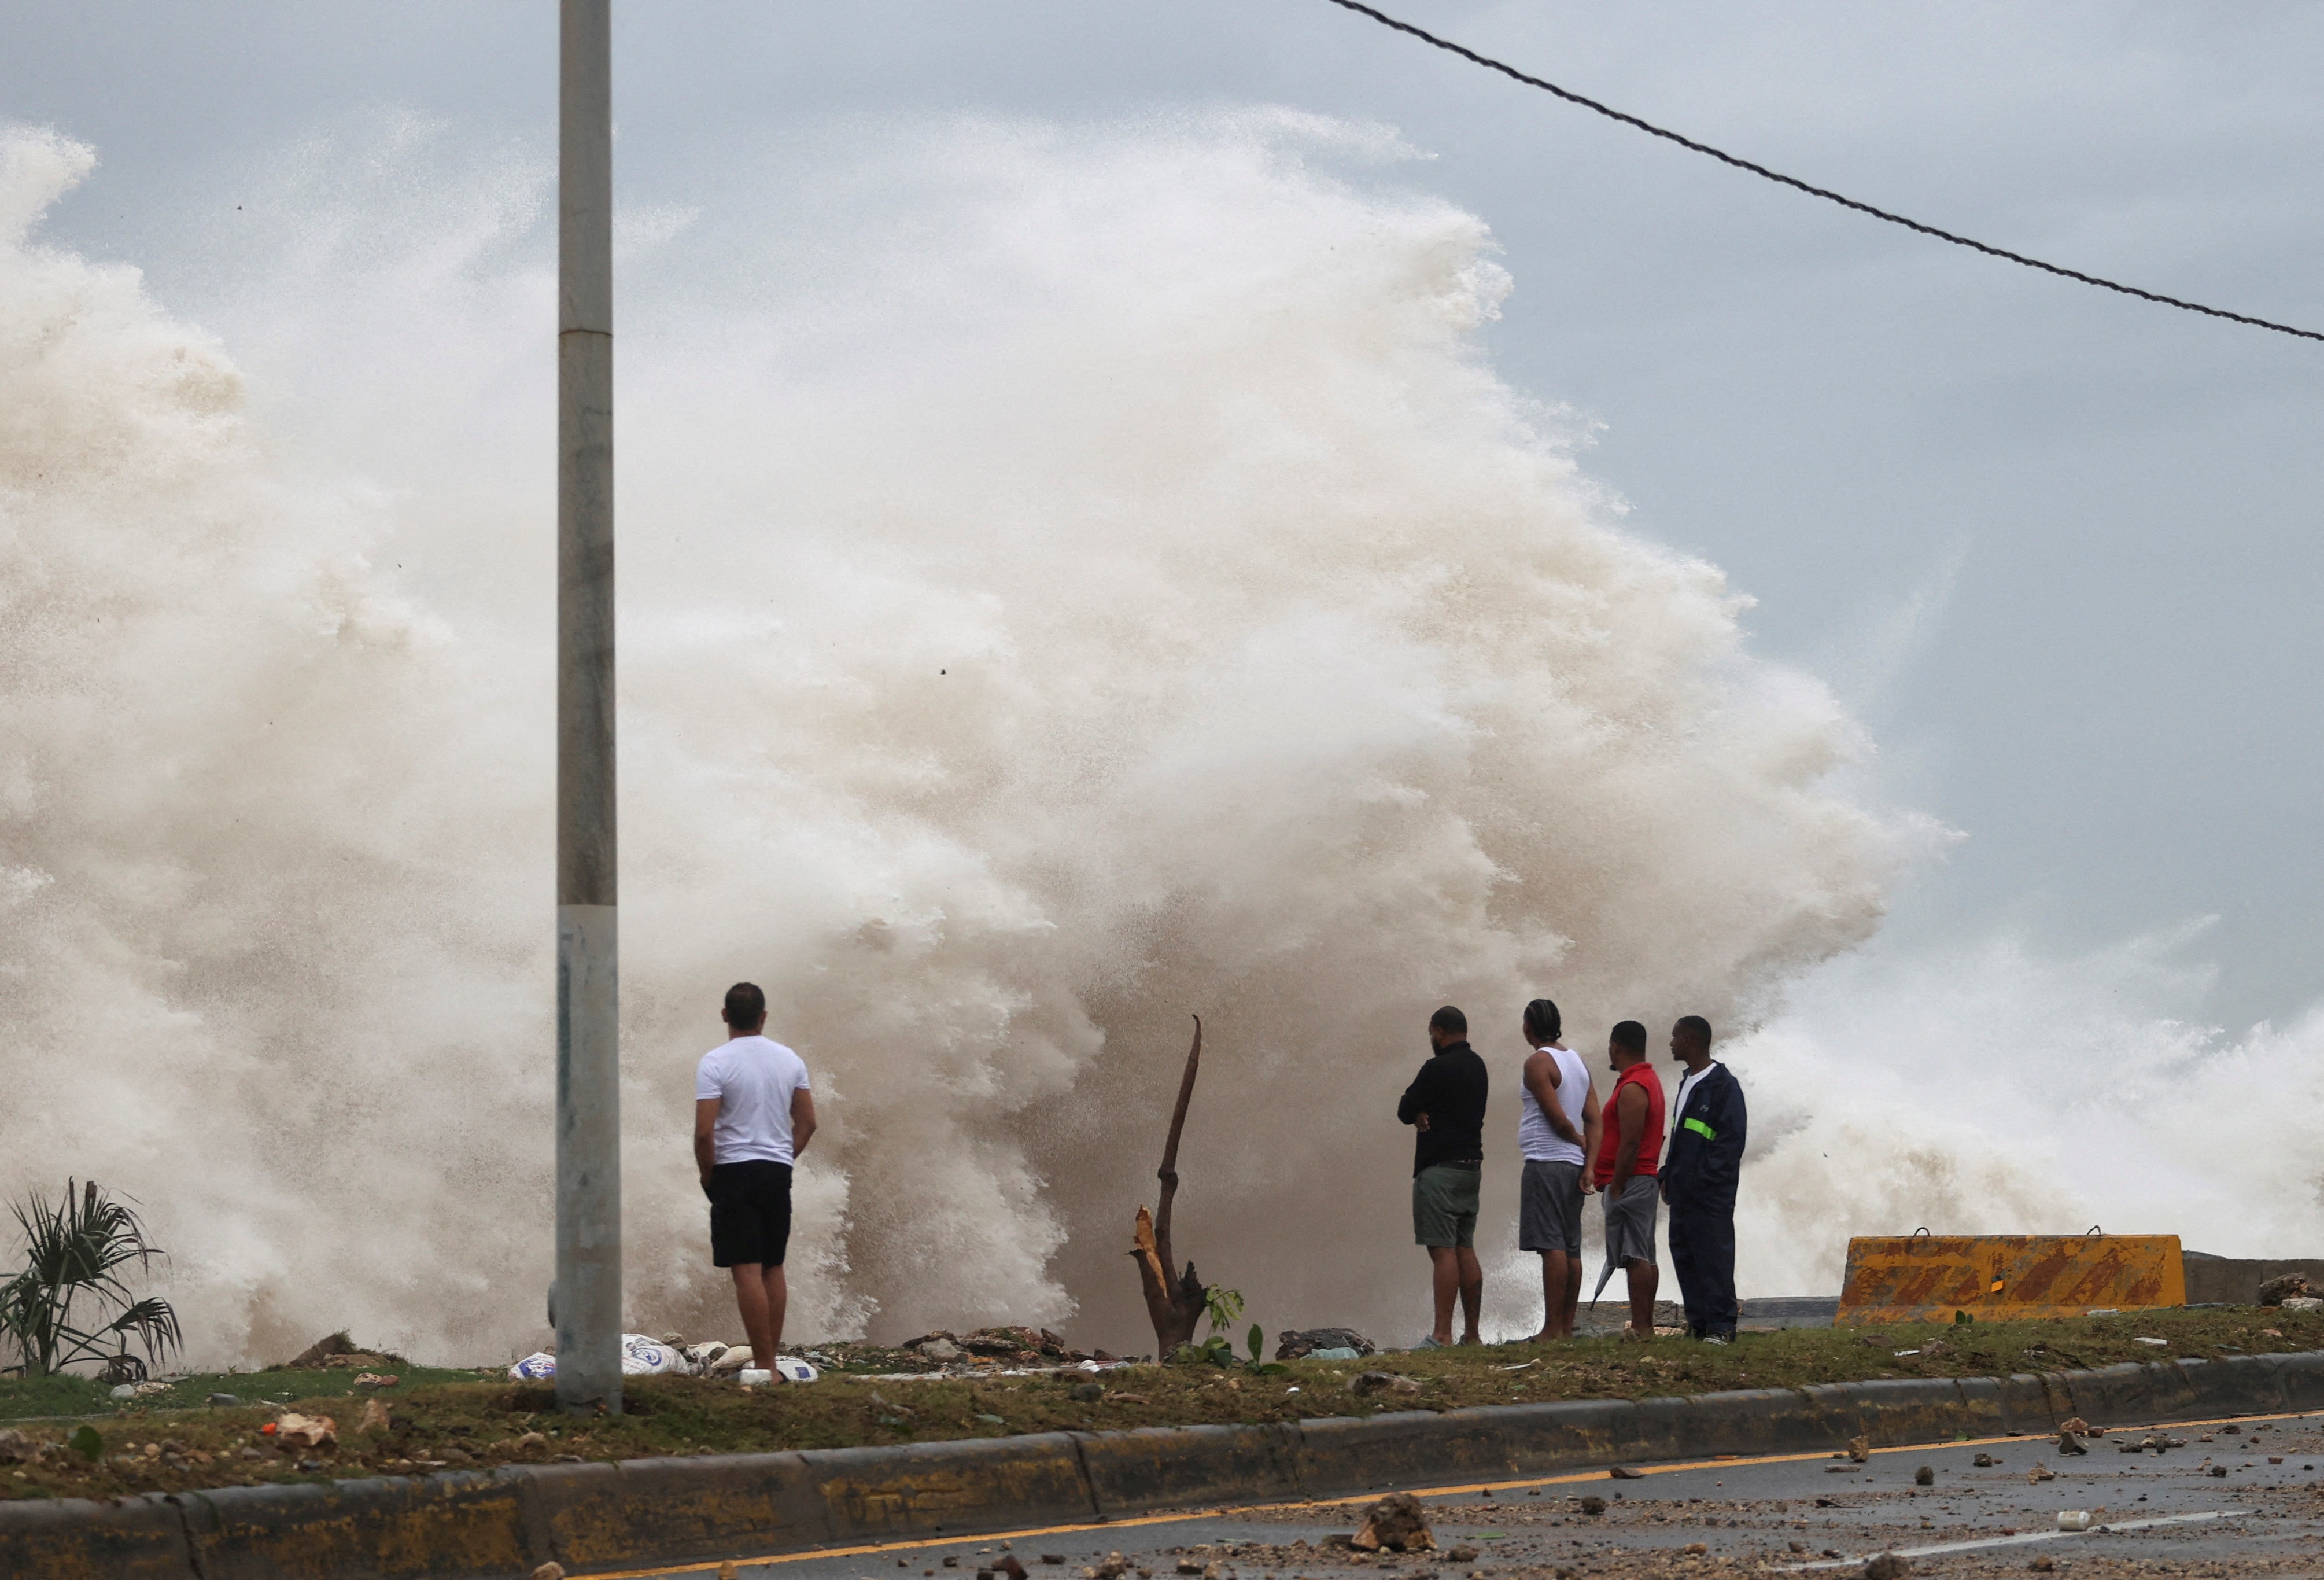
{"x": 73, "y": 1252}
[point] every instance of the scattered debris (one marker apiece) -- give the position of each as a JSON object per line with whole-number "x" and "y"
{"x": 1086, "y": 1392}
{"x": 1985, "y": 1461}
{"x": 1397, "y": 1523}
{"x": 2073, "y": 1519}
{"x": 939, "y": 1349}
{"x": 1926, "y": 1477}
{"x": 1293, "y": 1343}
{"x": 1462, "y": 1555}
{"x": 1123, "y": 1396}
{"x": 2160, "y": 1344}
{"x": 552, "y": 1570}
{"x": 2069, "y": 1444}
{"x": 375, "y": 1416}
{"x": 15, "y": 1448}
{"x": 1623, "y": 1473}
{"x": 1887, "y": 1566}
{"x": 1859, "y": 1449}
{"x": 373, "y": 1380}
{"x": 2282, "y": 1287}
{"x": 2303, "y": 1303}
{"x": 223, "y": 1400}
{"x": 1383, "y": 1382}
{"x": 294, "y": 1430}
{"x": 314, "y": 1356}
{"x": 2041, "y": 1472}
{"x": 1593, "y": 1504}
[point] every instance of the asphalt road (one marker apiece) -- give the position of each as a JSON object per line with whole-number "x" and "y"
{"x": 2153, "y": 1513}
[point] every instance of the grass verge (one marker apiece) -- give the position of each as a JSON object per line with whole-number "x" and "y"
{"x": 436, "y": 1419}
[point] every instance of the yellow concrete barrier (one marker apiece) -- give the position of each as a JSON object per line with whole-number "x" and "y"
{"x": 2005, "y": 1278}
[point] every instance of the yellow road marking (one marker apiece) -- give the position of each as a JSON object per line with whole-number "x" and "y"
{"x": 711, "y": 1566}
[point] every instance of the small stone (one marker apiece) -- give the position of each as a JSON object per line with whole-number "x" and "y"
{"x": 2041, "y": 1472}
{"x": 1010, "y": 1567}
{"x": 2043, "y": 1565}
{"x": 942, "y": 1351}
{"x": 1052, "y": 1557}
{"x": 549, "y": 1571}
{"x": 1593, "y": 1505}
{"x": 1859, "y": 1449}
{"x": 1887, "y": 1566}
{"x": 1926, "y": 1477}
{"x": 1462, "y": 1555}
{"x": 1985, "y": 1461}
{"x": 1623, "y": 1473}
{"x": 1696, "y": 1549}
{"x": 1397, "y": 1523}
{"x": 1087, "y": 1392}
{"x": 2069, "y": 1444}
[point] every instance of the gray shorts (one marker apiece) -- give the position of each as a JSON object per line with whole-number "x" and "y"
{"x": 1444, "y": 1204}
{"x": 1549, "y": 1207}
{"x": 1631, "y": 1222}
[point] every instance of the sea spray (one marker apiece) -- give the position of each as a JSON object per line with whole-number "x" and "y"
{"x": 1071, "y": 578}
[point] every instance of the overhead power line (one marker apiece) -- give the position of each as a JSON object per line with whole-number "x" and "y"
{"x": 1814, "y": 191}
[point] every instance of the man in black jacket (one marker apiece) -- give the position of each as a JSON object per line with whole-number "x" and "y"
{"x": 1445, "y": 1103}
{"x": 1707, "y": 1127}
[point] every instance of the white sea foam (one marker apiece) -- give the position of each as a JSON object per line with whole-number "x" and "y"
{"x": 1070, "y": 580}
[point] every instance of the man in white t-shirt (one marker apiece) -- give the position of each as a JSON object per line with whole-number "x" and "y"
{"x": 753, "y": 1115}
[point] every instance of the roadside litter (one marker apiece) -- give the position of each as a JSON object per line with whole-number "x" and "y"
{"x": 1322, "y": 1344}
{"x": 643, "y": 1355}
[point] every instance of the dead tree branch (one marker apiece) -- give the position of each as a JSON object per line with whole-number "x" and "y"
{"x": 1175, "y": 1309}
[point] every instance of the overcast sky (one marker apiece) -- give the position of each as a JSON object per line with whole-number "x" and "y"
{"x": 2060, "y": 548}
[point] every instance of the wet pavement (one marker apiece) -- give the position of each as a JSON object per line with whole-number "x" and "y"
{"x": 2226, "y": 1498}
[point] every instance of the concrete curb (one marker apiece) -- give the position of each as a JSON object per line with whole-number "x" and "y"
{"x": 492, "y": 1524}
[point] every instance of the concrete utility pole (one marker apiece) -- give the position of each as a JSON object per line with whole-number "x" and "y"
{"x": 586, "y": 1302}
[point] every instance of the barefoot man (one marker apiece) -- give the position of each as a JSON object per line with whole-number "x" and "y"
{"x": 753, "y": 1115}
{"x": 1557, "y": 1131}
{"x": 1627, "y": 1156}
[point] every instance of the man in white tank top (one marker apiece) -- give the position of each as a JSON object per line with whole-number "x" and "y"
{"x": 1557, "y": 1130}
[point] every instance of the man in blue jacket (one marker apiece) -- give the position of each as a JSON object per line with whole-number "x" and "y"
{"x": 1707, "y": 1130}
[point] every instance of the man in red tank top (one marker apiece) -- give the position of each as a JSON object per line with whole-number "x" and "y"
{"x": 1627, "y": 1156}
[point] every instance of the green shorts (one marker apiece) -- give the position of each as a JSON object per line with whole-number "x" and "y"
{"x": 1444, "y": 1204}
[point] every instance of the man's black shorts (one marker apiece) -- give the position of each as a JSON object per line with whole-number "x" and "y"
{"x": 749, "y": 1213}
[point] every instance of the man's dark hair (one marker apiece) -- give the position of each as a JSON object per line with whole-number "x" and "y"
{"x": 1449, "y": 1021}
{"x": 1543, "y": 1021}
{"x": 1695, "y": 1026}
{"x": 1631, "y": 1035}
{"x": 745, "y": 1005}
